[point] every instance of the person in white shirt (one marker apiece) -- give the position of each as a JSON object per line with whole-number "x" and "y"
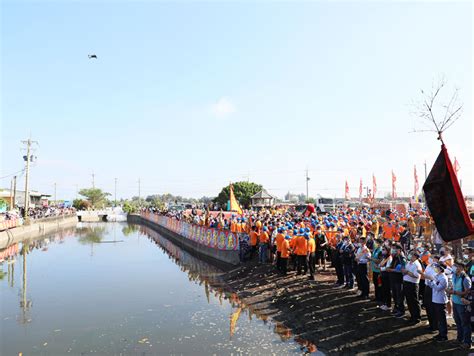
{"x": 428, "y": 295}
{"x": 411, "y": 281}
{"x": 439, "y": 285}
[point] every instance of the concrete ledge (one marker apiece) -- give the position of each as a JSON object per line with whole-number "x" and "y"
{"x": 35, "y": 229}
{"x": 222, "y": 259}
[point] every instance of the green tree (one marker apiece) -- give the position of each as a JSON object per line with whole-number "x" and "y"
{"x": 129, "y": 207}
{"x": 81, "y": 204}
{"x": 242, "y": 191}
{"x": 3, "y": 204}
{"x": 95, "y": 196}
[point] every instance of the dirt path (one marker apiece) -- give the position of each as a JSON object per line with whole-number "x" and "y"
{"x": 332, "y": 319}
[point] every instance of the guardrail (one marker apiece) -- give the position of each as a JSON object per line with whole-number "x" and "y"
{"x": 213, "y": 238}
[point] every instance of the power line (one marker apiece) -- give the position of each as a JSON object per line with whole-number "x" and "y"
{"x": 12, "y": 174}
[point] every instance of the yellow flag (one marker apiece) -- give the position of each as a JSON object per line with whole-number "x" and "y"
{"x": 234, "y": 204}
{"x": 233, "y": 321}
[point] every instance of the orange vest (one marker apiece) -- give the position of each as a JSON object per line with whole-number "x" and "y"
{"x": 263, "y": 237}
{"x": 285, "y": 249}
{"x": 279, "y": 240}
{"x": 253, "y": 238}
{"x": 311, "y": 245}
{"x": 301, "y": 246}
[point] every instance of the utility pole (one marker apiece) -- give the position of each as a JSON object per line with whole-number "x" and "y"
{"x": 307, "y": 185}
{"x": 11, "y": 194}
{"x": 115, "y": 192}
{"x": 55, "y": 201}
{"x": 139, "y": 193}
{"x": 14, "y": 192}
{"x": 426, "y": 176}
{"x": 28, "y": 157}
{"x": 93, "y": 179}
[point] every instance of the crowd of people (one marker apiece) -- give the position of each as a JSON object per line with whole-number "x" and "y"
{"x": 15, "y": 217}
{"x": 400, "y": 253}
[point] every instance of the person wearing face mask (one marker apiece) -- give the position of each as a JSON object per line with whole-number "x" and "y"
{"x": 347, "y": 252}
{"x": 386, "y": 296}
{"x": 362, "y": 258}
{"x": 439, "y": 285}
{"x": 462, "y": 313}
{"x": 428, "y": 295}
{"x": 411, "y": 280}
{"x": 396, "y": 280}
{"x": 376, "y": 276}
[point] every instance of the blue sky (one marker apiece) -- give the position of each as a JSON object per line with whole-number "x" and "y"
{"x": 188, "y": 96}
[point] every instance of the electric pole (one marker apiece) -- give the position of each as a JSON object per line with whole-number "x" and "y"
{"x": 139, "y": 193}
{"x": 93, "y": 179}
{"x": 55, "y": 201}
{"x": 115, "y": 192}
{"x": 425, "y": 172}
{"x": 11, "y": 194}
{"x": 14, "y": 192}
{"x": 307, "y": 184}
{"x": 27, "y": 158}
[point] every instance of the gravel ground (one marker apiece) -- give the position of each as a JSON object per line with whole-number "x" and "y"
{"x": 329, "y": 319}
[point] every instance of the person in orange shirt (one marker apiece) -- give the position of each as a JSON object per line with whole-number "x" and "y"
{"x": 301, "y": 250}
{"x": 311, "y": 257}
{"x": 285, "y": 254}
{"x": 280, "y": 237}
{"x": 253, "y": 241}
{"x": 263, "y": 245}
{"x": 292, "y": 247}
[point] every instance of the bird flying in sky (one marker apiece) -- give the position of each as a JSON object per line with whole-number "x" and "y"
{"x": 92, "y": 56}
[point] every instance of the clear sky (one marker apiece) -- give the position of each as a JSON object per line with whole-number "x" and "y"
{"x": 188, "y": 96}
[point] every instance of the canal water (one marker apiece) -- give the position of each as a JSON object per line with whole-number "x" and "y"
{"x": 118, "y": 289}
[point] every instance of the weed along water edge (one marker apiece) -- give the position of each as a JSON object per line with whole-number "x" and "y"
{"x": 116, "y": 289}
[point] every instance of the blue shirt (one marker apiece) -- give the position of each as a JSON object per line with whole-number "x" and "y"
{"x": 458, "y": 287}
{"x": 375, "y": 256}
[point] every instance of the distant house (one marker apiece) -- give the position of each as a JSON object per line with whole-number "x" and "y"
{"x": 37, "y": 199}
{"x": 261, "y": 199}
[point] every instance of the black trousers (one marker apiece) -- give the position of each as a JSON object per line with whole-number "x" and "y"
{"x": 284, "y": 265}
{"x": 278, "y": 261}
{"x": 386, "y": 294}
{"x": 312, "y": 263}
{"x": 357, "y": 275}
{"x": 396, "y": 287}
{"x": 363, "y": 279}
{"x": 301, "y": 264}
{"x": 377, "y": 286}
{"x": 339, "y": 270}
{"x": 430, "y": 312}
{"x": 440, "y": 312}
{"x": 410, "y": 291}
{"x": 292, "y": 262}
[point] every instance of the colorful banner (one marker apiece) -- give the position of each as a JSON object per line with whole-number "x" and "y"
{"x": 8, "y": 224}
{"x": 214, "y": 238}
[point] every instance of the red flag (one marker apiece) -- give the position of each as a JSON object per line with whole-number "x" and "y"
{"x": 374, "y": 186}
{"x": 445, "y": 200}
{"x": 360, "y": 189}
{"x": 394, "y": 189}
{"x": 456, "y": 166}
{"x": 415, "y": 195}
{"x": 347, "y": 195}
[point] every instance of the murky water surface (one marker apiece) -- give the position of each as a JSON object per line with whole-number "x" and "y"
{"x": 112, "y": 289}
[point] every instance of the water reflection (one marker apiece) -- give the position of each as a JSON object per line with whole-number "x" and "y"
{"x": 203, "y": 273}
{"x": 197, "y": 272}
{"x": 8, "y": 257}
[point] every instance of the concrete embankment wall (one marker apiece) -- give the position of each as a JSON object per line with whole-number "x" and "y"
{"x": 35, "y": 229}
{"x": 222, "y": 258}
